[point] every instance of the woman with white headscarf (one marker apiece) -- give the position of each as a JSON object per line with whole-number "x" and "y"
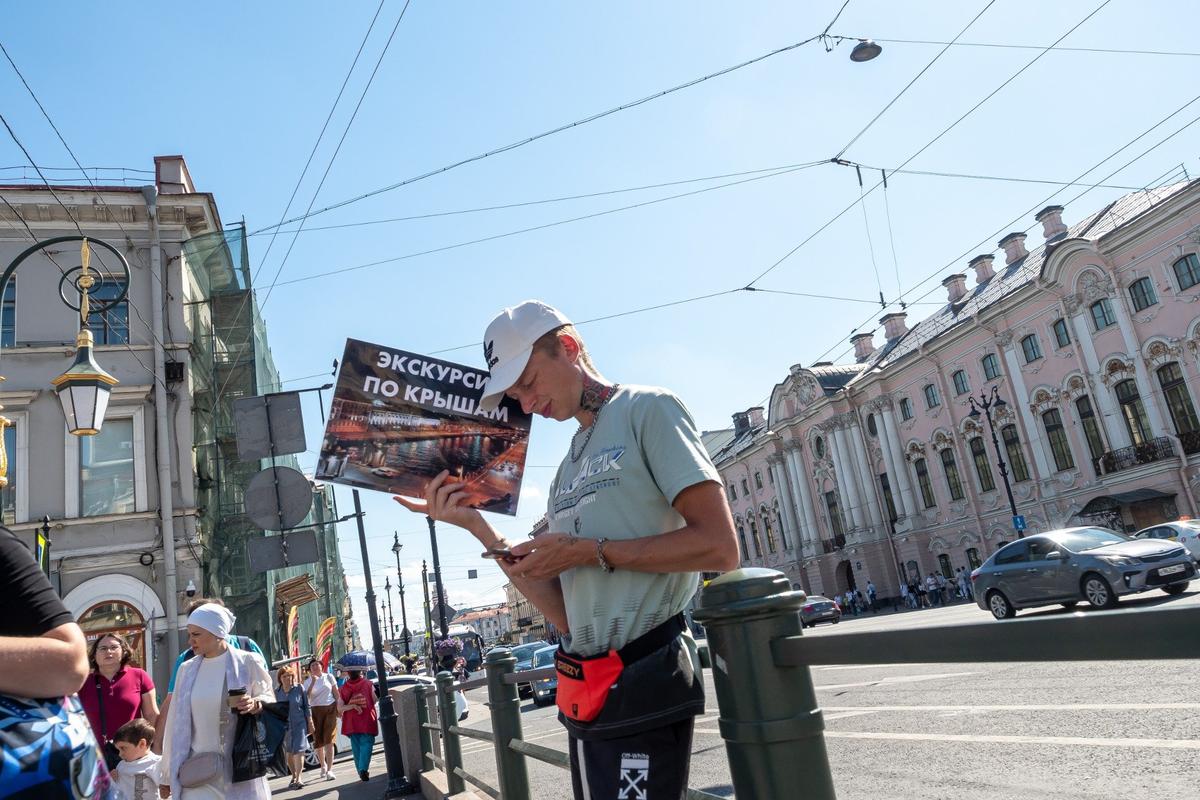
{"x": 197, "y": 758}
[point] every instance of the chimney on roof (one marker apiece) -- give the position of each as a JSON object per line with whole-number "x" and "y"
{"x": 893, "y": 325}
{"x": 1013, "y": 246}
{"x": 741, "y": 423}
{"x": 982, "y": 264}
{"x": 1052, "y": 224}
{"x": 956, "y": 286}
{"x": 864, "y": 346}
{"x": 757, "y": 417}
{"x": 171, "y": 175}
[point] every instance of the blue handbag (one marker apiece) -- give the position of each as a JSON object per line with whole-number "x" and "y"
{"x": 49, "y": 752}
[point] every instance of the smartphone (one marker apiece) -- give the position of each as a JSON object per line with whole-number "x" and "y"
{"x": 499, "y": 553}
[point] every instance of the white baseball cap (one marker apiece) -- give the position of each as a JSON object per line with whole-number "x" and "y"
{"x": 508, "y": 343}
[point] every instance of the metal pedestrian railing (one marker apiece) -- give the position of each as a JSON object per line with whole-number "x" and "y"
{"x": 769, "y": 715}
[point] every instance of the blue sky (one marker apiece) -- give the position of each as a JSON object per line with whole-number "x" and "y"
{"x": 241, "y": 90}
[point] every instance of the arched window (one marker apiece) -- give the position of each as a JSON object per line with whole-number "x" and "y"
{"x": 922, "y": 470}
{"x": 754, "y": 536}
{"x": 983, "y": 470}
{"x": 950, "y": 467}
{"x": 872, "y": 427}
{"x": 1141, "y": 292}
{"x": 906, "y": 410}
{"x": 769, "y": 530}
{"x": 973, "y": 558}
{"x": 944, "y": 566}
{"x": 1061, "y": 334}
{"x": 1016, "y": 456}
{"x": 742, "y": 538}
{"x": 782, "y": 528}
{"x": 961, "y": 385}
{"x": 1102, "y": 314}
{"x": 114, "y": 616}
{"x": 1132, "y": 411}
{"x": 1187, "y": 271}
{"x": 1179, "y": 402}
{"x": 758, "y": 480}
{"x": 932, "y": 400}
{"x": 819, "y": 446}
{"x": 912, "y": 571}
{"x": 1091, "y": 429}
{"x": 991, "y": 367}
{"x": 1059, "y": 446}
{"x": 1031, "y": 348}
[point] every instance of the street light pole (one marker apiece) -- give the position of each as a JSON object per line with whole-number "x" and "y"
{"x": 437, "y": 580}
{"x": 400, "y": 577}
{"x": 398, "y": 785}
{"x": 987, "y": 403}
{"x": 387, "y": 585}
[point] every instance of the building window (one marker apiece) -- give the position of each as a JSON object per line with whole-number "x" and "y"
{"x": 732, "y": 492}
{"x": 782, "y": 528}
{"x": 953, "y": 483}
{"x": 745, "y": 488}
{"x": 1179, "y": 402}
{"x": 1091, "y": 429}
{"x": 8, "y": 495}
{"x": 912, "y": 571}
{"x": 106, "y": 470}
{"x": 742, "y": 538}
{"x": 111, "y": 326}
{"x": 906, "y": 411}
{"x": 973, "y": 558}
{"x": 1132, "y": 411}
{"x": 1141, "y": 292}
{"x": 819, "y": 447}
{"x": 1031, "y": 348}
{"x": 944, "y": 566}
{"x": 961, "y": 386}
{"x": 1057, "y": 435}
{"x": 888, "y": 500}
{"x": 771, "y": 477}
{"x": 923, "y": 481}
{"x": 758, "y": 480}
{"x": 1016, "y": 456}
{"x": 872, "y": 427}
{"x": 769, "y": 530}
{"x": 754, "y": 535}
{"x": 931, "y": 396}
{"x": 983, "y": 470}
{"x": 8, "y": 331}
{"x": 114, "y": 616}
{"x": 991, "y": 367}
{"x": 835, "y": 514}
{"x": 1102, "y": 314}
{"x": 1187, "y": 271}
{"x": 1062, "y": 335}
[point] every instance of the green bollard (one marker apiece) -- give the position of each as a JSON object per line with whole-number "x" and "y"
{"x": 424, "y": 735}
{"x": 770, "y": 720}
{"x": 504, "y": 702}
{"x": 451, "y": 745}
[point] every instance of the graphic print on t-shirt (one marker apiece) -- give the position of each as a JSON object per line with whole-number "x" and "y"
{"x": 635, "y": 775}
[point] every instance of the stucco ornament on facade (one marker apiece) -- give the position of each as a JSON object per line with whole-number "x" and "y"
{"x": 1094, "y": 285}
{"x": 942, "y": 440}
{"x": 1160, "y": 352}
{"x": 1117, "y": 370}
{"x": 1043, "y": 400}
{"x": 914, "y": 450}
{"x": 1075, "y": 387}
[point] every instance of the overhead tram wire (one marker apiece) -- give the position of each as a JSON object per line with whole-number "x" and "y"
{"x": 928, "y": 144}
{"x": 561, "y": 128}
{"x": 345, "y": 131}
{"x": 1042, "y": 203}
{"x": 542, "y": 226}
{"x": 887, "y": 209}
{"x": 870, "y": 241}
{"x": 908, "y": 85}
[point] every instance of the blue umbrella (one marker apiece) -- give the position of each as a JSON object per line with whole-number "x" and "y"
{"x": 365, "y": 659}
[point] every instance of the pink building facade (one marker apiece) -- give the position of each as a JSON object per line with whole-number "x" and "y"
{"x": 878, "y": 470}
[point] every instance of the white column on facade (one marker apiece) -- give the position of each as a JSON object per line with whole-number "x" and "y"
{"x": 890, "y": 459}
{"x": 1033, "y": 428}
{"x": 843, "y": 461}
{"x": 899, "y": 470}
{"x": 1158, "y": 426}
{"x": 866, "y": 474}
{"x": 799, "y": 483}
{"x": 1106, "y": 405}
{"x": 779, "y": 475}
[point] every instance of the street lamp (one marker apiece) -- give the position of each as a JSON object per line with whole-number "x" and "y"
{"x": 396, "y": 546}
{"x": 83, "y": 390}
{"x": 987, "y": 403}
{"x": 865, "y": 50}
{"x": 387, "y": 585}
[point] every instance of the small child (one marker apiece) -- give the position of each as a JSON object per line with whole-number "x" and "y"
{"x": 138, "y": 773}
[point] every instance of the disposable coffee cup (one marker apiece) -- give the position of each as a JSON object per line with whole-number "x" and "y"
{"x": 235, "y": 695}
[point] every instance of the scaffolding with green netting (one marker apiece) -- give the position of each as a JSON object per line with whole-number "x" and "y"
{"x": 231, "y": 359}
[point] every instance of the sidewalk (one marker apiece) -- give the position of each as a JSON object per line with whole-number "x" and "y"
{"x": 346, "y": 787}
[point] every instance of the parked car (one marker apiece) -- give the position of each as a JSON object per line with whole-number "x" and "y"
{"x": 1186, "y": 532}
{"x": 546, "y": 689}
{"x": 523, "y": 653}
{"x": 1065, "y": 566}
{"x": 819, "y": 609}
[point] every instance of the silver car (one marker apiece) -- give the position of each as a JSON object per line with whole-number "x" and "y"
{"x": 1073, "y": 564}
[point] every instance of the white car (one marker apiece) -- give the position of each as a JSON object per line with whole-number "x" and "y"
{"x": 1186, "y": 532}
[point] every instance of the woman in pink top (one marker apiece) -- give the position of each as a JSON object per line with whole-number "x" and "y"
{"x": 115, "y": 691}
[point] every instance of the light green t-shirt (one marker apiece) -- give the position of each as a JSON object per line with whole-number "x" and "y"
{"x": 644, "y": 451}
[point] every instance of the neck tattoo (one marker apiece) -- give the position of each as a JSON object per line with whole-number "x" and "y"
{"x": 595, "y": 396}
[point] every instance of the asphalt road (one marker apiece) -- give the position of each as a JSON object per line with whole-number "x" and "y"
{"x": 964, "y": 731}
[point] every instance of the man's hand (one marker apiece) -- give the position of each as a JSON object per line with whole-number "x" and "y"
{"x": 442, "y": 503}
{"x": 248, "y": 705}
{"x": 551, "y": 554}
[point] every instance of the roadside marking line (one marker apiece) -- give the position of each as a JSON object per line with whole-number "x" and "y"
{"x": 488, "y": 746}
{"x": 1074, "y": 741}
{"x": 844, "y": 714}
{"x": 1036, "y": 707}
{"x": 866, "y": 666}
{"x": 898, "y": 679}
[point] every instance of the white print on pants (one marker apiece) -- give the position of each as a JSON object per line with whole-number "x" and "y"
{"x": 635, "y": 774}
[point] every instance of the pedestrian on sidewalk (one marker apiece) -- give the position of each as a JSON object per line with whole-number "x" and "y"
{"x": 932, "y": 591}
{"x": 299, "y": 723}
{"x": 115, "y": 692}
{"x": 872, "y": 593}
{"x": 360, "y": 719}
{"x": 322, "y": 689}
{"x": 636, "y": 511}
{"x": 138, "y": 772}
{"x": 905, "y": 597}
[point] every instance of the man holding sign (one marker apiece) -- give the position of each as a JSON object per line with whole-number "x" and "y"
{"x": 636, "y": 511}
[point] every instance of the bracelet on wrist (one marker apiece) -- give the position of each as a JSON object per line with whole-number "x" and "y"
{"x": 603, "y": 562}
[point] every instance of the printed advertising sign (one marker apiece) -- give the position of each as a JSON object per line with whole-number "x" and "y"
{"x": 398, "y": 419}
